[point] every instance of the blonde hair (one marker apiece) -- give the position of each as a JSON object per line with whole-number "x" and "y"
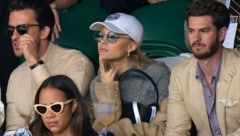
{"x": 140, "y": 60}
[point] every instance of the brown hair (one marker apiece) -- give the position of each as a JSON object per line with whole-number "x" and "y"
{"x": 138, "y": 59}
{"x": 218, "y": 11}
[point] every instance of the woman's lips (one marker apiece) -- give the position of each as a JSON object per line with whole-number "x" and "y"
{"x": 52, "y": 124}
{"x": 103, "y": 50}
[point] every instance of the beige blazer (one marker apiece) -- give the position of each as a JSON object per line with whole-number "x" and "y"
{"x": 186, "y": 100}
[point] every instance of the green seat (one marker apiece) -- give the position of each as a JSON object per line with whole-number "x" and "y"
{"x": 163, "y": 25}
{"x": 75, "y": 28}
{"x": 163, "y": 28}
{"x": 157, "y": 49}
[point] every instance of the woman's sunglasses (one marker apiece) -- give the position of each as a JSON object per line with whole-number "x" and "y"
{"x": 56, "y": 107}
{"x": 111, "y": 36}
{"x": 21, "y": 29}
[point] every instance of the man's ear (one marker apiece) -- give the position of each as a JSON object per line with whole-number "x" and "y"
{"x": 45, "y": 31}
{"x": 222, "y": 33}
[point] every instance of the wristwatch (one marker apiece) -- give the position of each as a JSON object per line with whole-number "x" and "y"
{"x": 40, "y": 62}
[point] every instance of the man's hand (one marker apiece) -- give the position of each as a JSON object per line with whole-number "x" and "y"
{"x": 29, "y": 49}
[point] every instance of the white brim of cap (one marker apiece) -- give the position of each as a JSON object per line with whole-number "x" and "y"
{"x": 97, "y": 26}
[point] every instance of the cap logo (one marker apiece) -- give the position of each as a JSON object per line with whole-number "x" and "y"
{"x": 113, "y": 17}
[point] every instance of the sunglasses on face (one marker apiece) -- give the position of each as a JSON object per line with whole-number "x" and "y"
{"x": 21, "y": 29}
{"x": 56, "y": 107}
{"x": 111, "y": 37}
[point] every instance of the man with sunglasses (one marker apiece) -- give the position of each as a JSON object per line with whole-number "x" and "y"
{"x": 30, "y": 26}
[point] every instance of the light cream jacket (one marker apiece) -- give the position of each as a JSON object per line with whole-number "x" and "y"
{"x": 109, "y": 93}
{"x": 186, "y": 100}
{"x": 23, "y": 82}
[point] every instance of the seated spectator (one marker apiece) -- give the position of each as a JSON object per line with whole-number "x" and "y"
{"x": 30, "y": 26}
{"x": 60, "y": 110}
{"x": 203, "y": 88}
{"x": 8, "y": 61}
{"x": 119, "y": 39}
{"x": 125, "y": 6}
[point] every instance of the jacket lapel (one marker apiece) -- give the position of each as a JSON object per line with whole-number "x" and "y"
{"x": 227, "y": 73}
{"x": 201, "y": 113}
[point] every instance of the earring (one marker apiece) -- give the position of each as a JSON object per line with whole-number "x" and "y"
{"x": 128, "y": 54}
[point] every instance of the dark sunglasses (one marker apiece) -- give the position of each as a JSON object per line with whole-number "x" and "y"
{"x": 111, "y": 36}
{"x": 56, "y": 107}
{"x": 21, "y": 29}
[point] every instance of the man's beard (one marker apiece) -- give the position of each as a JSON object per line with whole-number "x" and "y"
{"x": 212, "y": 50}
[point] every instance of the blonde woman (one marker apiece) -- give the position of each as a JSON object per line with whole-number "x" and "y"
{"x": 119, "y": 39}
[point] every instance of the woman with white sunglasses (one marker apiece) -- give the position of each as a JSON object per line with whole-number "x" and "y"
{"x": 60, "y": 110}
{"x": 119, "y": 38}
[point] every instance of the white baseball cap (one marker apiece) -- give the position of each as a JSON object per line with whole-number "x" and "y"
{"x": 121, "y": 23}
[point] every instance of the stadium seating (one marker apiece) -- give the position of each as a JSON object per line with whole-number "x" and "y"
{"x": 163, "y": 25}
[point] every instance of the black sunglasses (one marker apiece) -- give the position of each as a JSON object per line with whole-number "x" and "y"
{"x": 111, "y": 36}
{"x": 21, "y": 29}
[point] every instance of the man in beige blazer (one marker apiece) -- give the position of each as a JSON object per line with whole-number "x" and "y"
{"x": 205, "y": 88}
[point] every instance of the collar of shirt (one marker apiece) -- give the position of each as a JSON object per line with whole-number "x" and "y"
{"x": 215, "y": 75}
